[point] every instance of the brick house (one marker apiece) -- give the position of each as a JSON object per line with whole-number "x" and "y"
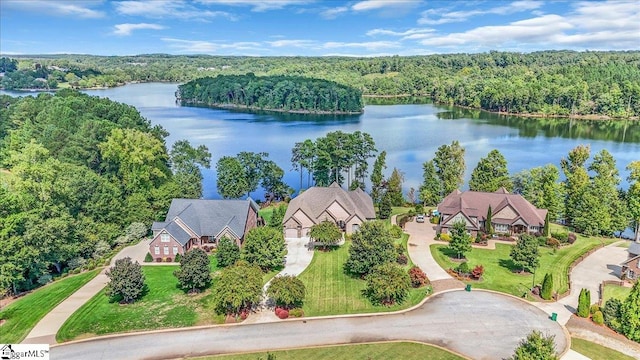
{"x": 348, "y": 209}
{"x": 511, "y": 213}
{"x": 197, "y": 223}
{"x": 631, "y": 267}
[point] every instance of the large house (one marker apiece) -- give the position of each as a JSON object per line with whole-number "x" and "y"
{"x": 196, "y": 223}
{"x": 631, "y": 267}
{"x": 348, "y": 209}
{"x": 511, "y": 213}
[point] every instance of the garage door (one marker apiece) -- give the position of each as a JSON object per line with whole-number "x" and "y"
{"x": 291, "y": 233}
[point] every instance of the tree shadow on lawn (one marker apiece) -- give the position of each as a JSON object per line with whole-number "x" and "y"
{"x": 511, "y": 266}
{"x": 452, "y": 255}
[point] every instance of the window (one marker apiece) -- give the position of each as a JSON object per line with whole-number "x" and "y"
{"x": 175, "y": 250}
{"x": 164, "y": 238}
{"x": 157, "y": 250}
{"x": 355, "y": 227}
{"x": 166, "y": 250}
{"x": 501, "y": 228}
{"x": 632, "y": 275}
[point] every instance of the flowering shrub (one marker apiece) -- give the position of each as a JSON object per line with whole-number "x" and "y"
{"x": 418, "y": 277}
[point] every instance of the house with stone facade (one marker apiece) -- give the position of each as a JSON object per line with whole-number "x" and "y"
{"x": 348, "y": 209}
{"x": 197, "y": 223}
{"x": 511, "y": 213}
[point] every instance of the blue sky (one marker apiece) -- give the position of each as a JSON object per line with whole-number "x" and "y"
{"x": 314, "y": 28}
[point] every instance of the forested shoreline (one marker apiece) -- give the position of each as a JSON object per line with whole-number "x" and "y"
{"x": 82, "y": 176}
{"x": 272, "y": 93}
{"x": 547, "y": 83}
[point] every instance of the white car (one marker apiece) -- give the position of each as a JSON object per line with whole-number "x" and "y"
{"x": 420, "y": 218}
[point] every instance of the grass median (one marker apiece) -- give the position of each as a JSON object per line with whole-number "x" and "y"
{"x": 23, "y": 314}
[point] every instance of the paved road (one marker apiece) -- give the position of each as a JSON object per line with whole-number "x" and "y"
{"x": 45, "y": 330}
{"x": 603, "y": 264}
{"x": 478, "y": 324}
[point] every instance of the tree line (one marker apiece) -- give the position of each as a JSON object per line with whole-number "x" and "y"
{"x": 544, "y": 83}
{"x": 82, "y": 175}
{"x": 589, "y": 199}
{"x": 279, "y": 93}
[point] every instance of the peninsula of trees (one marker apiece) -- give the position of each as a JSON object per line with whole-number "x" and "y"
{"x": 546, "y": 83}
{"x": 272, "y": 93}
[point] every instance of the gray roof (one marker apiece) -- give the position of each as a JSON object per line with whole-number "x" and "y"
{"x": 315, "y": 200}
{"x": 207, "y": 217}
{"x": 634, "y": 248}
{"x": 178, "y": 233}
{"x": 476, "y": 204}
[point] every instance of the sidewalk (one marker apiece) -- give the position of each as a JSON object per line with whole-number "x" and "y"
{"x": 45, "y": 330}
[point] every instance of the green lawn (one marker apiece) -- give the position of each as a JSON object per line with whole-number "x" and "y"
{"x": 164, "y": 306}
{"x": 379, "y": 351}
{"x": 615, "y": 291}
{"x": 266, "y": 213}
{"x": 595, "y": 351}
{"x": 500, "y": 272}
{"x": 330, "y": 291}
{"x": 23, "y": 314}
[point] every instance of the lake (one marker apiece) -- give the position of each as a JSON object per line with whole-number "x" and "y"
{"x": 409, "y": 133}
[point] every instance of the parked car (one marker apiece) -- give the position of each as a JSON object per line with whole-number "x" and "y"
{"x": 420, "y": 218}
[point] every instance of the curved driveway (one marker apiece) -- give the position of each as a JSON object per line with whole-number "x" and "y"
{"x": 477, "y": 324}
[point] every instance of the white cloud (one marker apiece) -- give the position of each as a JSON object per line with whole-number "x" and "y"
{"x": 258, "y": 5}
{"x": 212, "y": 47}
{"x": 442, "y": 16}
{"x": 411, "y": 34}
{"x": 168, "y": 9}
{"x": 61, "y": 8}
{"x": 371, "y": 45}
{"x": 367, "y": 5}
{"x": 126, "y": 29}
{"x": 292, "y": 43}
{"x": 332, "y": 13}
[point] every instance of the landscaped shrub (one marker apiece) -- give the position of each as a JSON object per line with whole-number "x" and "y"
{"x": 445, "y": 237}
{"x": 297, "y": 312}
{"x": 387, "y": 284}
{"x": 584, "y": 301}
{"x": 547, "y": 287}
{"x": 402, "y": 220}
{"x": 402, "y": 259}
{"x": 572, "y": 238}
{"x": 481, "y": 238}
{"x": 178, "y": 257}
{"x": 542, "y": 240}
{"x": 598, "y": 318}
{"x": 418, "y": 277}
{"x": 158, "y": 259}
{"x": 562, "y": 237}
{"x": 283, "y": 314}
{"x": 168, "y": 259}
{"x": 553, "y": 243}
{"x": 593, "y": 309}
{"x": 612, "y": 314}
{"x": 463, "y": 268}
{"x": 435, "y": 219}
{"x": 244, "y": 314}
{"x": 477, "y": 272}
{"x": 396, "y": 231}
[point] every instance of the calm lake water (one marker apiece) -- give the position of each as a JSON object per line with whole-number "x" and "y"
{"x": 409, "y": 133}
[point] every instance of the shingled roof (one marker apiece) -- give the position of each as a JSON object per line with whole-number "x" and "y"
{"x": 315, "y": 200}
{"x": 476, "y": 204}
{"x": 205, "y": 217}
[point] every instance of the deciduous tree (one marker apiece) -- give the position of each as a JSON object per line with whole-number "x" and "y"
{"x": 431, "y": 188}
{"x": 326, "y": 232}
{"x": 264, "y": 247}
{"x": 633, "y": 196}
{"x": 287, "y": 290}
{"x": 388, "y": 284}
{"x": 185, "y": 164}
{"x": 227, "y": 252}
{"x": 237, "y": 287}
{"x": 536, "y": 347}
{"x": 372, "y": 245}
{"x": 231, "y": 182}
{"x": 449, "y": 163}
{"x": 491, "y": 174}
{"x": 394, "y": 188}
{"x": 126, "y": 281}
{"x": 460, "y": 239}
{"x": 630, "y": 312}
{"x": 194, "y": 273}
{"x": 525, "y": 253}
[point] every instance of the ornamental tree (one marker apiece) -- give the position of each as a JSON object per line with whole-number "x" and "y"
{"x": 326, "y": 232}
{"x": 460, "y": 240}
{"x": 238, "y": 287}
{"x": 525, "y": 253}
{"x": 630, "y": 312}
{"x": 536, "y": 347}
{"x": 227, "y": 253}
{"x": 584, "y": 302}
{"x": 265, "y": 247}
{"x": 547, "y": 287}
{"x": 371, "y": 246}
{"x": 287, "y": 290}
{"x": 127, "y": 281}
{"x": 194, "y": 273}
{"x": 387, "y": 284}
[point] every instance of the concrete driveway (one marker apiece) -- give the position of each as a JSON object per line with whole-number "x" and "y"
{"x": 477, "y": 324}
{"x": 603, "y": 264}
{"x": 45, "y": 330}
{"x": 421, "y": 236}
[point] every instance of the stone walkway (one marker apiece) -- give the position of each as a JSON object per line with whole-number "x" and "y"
{"x": 45, "y": 330}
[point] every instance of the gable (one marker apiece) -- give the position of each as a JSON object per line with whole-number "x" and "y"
{"x": 506, "y": 213}
{"x": 458, "y": 217}
{"x": 302, "y": 218}
{"x": 338, "y": 211}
